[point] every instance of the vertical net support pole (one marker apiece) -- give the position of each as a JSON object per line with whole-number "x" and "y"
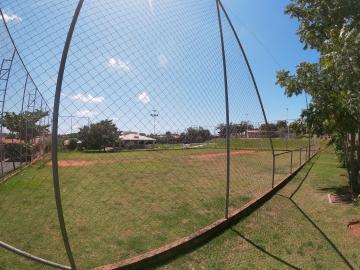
{"x": 253, "y": 81}
{"x": 273, "y": 171}
{"x": 21, "y": 112}
{"x": 227, "y": 113}
{"x": 54, "y": 149}
{"x": 308, "y": 128}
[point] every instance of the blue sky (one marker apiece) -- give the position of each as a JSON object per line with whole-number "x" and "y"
{"x": 130, "y": 57}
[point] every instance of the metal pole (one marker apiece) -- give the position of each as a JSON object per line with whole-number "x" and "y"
{"x": 252, "y": 78}
{"x": 3, "y": 106}
{"x": 154, "y": 115}
{"x": 55, "y": 135}
{"x": 22, "y": 110}
{"x": 308, "y": 125}
{"x": 273, "y": 172}
{"x": 288, "y": 131}
{"x": 32, "y": 257}
{"x": 227, "y": 192}
{"x": 300, "y": 155}
{"x": 291, "y": 161}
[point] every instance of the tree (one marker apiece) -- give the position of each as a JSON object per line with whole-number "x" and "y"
{"x": 99, "y": 135}
{"x": 235, "y": 129}
{"x": 25, "y": 126}
{"x": 298, "y": 126}
{"x": 269, "y": 127}
{"x": 332, "y": 27}
{"x": 195, "y": 135}
{"x": 281, "y": 125}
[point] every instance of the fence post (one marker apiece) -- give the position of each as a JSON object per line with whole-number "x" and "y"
{"x": 273, "y": 172}
{"x": 291, "y": 161}
{"x": 227, "y": 113}
{"x": 300, "y": 156}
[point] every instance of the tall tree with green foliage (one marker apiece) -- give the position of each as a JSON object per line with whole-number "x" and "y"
{"x": 299, "y": 127}
{"x": 99, "y": 135}
{"x": 234, "y": 128}
{"x": 332, "y": 27}
{"x": 195, "y": 135}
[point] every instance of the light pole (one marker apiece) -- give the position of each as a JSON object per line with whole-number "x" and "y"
{"x": 154, "y": 114}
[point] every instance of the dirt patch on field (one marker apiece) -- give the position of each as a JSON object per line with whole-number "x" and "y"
{"x": 354, "y": 228}
{"x": 220, "y": 155}
{"x": 81, "y": 163}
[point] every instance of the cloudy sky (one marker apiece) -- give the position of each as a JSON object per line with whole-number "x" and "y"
{"x": 130, "y": 57}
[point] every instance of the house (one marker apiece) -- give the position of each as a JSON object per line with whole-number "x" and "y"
{"x": 11, "y": 141}
{"x": 135, "y": 140}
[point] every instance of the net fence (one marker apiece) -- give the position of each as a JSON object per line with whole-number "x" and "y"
{"x": 161, "y": 129}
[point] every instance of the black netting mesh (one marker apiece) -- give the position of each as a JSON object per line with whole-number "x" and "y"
{"x": 142, "y": 131}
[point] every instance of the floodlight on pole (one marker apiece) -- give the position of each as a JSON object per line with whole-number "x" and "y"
{"x": 154, "y": 114}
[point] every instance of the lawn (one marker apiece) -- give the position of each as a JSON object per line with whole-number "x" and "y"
{"x": 118, "y": 205}
{"x": 296, "y": 229}
{"x": 278, "y": 143}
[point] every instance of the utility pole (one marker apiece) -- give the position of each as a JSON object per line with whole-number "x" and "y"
{"x": 154, "y": 114}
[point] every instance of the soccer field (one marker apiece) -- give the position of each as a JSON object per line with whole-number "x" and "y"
{"x": 118, "y": 205}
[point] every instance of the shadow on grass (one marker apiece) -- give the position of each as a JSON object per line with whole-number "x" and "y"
{"x": 340, "y": 194}
{"x": 264, "y": 251}
{"x": 298, "y": 208}
{"x": 290, "y": 198}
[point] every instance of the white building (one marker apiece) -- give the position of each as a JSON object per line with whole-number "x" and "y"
{"x": 134, "y": 138}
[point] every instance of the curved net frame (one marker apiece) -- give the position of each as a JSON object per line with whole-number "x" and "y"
{"x": 158, "y": 129}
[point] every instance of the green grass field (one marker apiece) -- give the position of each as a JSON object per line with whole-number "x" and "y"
{"x": 118, "y": 205}
{"x": 305, "y": 232}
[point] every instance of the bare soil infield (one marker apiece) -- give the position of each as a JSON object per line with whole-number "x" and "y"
{"x": 82, "y": 163}
{"x": 219, "y": 155}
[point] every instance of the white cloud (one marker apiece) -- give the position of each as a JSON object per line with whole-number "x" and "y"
{"x": 163, "y": 61}
{"x": 12, "y": 18}
{"x": 86, "y": 113}
{"x": 144, "y": 98}
{"x": 119, "y": 64}
{"x": 88, "y": 98}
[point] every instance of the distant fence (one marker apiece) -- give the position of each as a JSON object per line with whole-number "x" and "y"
{"x": 156, "y": 129}
{"x": 25, "y": 113}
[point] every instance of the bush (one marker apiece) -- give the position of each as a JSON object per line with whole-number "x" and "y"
{"x": 17, "y": 152}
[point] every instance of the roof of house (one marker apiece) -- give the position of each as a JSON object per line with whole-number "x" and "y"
{"x": 135, "y": 137}
{"x": 11, "y": 141}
